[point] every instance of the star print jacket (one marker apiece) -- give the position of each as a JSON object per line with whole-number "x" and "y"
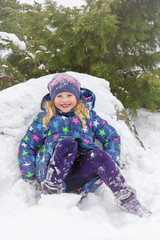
{"x": 37, "y": 146}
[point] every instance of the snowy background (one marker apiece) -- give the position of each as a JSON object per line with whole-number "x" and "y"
{"x": 22, "y": 216}
{"x": 65, "y": 3}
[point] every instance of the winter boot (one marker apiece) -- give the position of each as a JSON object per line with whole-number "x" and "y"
{"x": 127, "y": 201}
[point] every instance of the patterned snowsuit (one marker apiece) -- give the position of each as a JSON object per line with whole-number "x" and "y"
{"x": 38, "y": 145}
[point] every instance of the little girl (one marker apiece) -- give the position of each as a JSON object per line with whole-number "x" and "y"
{"x": 59, "y": 147}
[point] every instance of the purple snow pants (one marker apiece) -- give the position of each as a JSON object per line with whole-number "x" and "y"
{"x": 65, "y": 174}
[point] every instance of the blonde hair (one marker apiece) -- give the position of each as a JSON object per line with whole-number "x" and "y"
{"x": 80, "y": 111}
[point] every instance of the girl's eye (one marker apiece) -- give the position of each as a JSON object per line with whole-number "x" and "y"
{"x": 70, "y": 95}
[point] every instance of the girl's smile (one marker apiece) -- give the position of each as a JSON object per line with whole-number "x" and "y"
{"x": 65, "y": 101}
{"x": 65, "y": 105}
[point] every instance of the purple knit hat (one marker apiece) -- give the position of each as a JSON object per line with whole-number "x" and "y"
{"x": 63, "y": 83}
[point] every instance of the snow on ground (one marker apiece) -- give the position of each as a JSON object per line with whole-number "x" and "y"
{"x": 24, "y": 216}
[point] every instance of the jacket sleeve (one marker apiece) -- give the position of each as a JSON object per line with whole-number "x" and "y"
{"x": 107, "y": 135}
{"x": 29, "y": 146}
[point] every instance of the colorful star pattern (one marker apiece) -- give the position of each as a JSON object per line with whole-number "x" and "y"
{"x": 101, "y": 132}
{"x": 55, "y": 136}
{"x": 75, "y": 120}
{"x": 76, "y": 134}
{"x": 106, "y": 144}
{"x": 26, "y": 139}
{"x": 35, "y": 119}
{"x": 60, "y": 139}
{"x": 39, "y": 126}
{"x": 90, "y": 124}
{"x": 49, "y": 133}
{"x": 24, "y": 153}
{"x": 55, "y": 124}
{"x": 65, "y": 130}
{"x": 38, "y": 137}
{"x": 29, "y": 175}
{"x": 44, "y": 150}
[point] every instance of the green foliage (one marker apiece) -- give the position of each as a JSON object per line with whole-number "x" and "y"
{"x": 148, "y": 90}
{"x": 113, "y": 39}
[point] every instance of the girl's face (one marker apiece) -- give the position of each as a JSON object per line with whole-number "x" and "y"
{"x": 65, "y": 101}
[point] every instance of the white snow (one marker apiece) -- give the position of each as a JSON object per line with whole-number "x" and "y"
{"x": 65, "y": 3}
{"x": 4, "y": 53}
{"x": 57, "y": 216}
{"x": 41, "y": 67}
{"x": 5, "y": 38}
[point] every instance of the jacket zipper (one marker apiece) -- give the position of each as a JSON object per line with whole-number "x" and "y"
{"x": 70, "y": 128}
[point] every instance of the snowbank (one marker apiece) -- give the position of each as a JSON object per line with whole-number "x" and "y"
{"x": 57, "y": 217}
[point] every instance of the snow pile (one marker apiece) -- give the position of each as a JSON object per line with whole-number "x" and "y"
{"x": 57, "y": 216}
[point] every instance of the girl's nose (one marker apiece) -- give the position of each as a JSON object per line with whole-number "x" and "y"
{"x": 65, "y": 99}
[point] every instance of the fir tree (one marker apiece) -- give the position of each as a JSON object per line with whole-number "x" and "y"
{"x": 29, "y": 25}
{"x": 115, "y": 39}
{"x": 134, "y": 52}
